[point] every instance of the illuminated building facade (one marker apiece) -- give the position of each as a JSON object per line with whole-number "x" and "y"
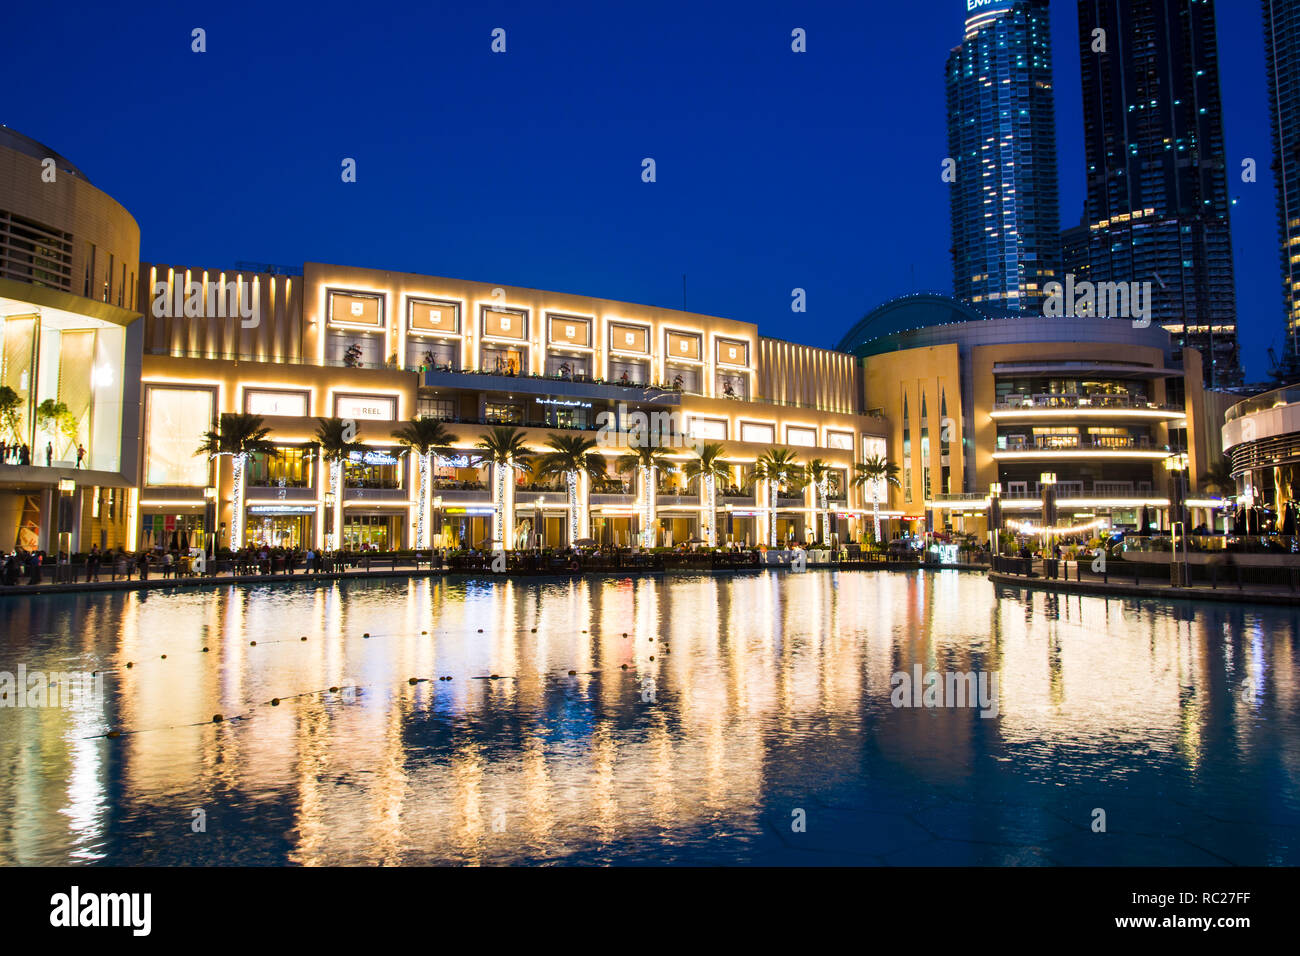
{"x": 1157, "y": 205}
{"x": 379, "y": 348}
{"x": 1282, "y": 47}
{"x": 69, "y": 355}
{"x": 1001, "y": 134}
{"x": 975, "y": 402}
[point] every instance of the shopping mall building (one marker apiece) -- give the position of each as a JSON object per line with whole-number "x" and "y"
{"x": 70, "y": 345}
{"x": 379, "y": 348}
{"x": 1112, "y": 416}
{"x": 128, "y": 364}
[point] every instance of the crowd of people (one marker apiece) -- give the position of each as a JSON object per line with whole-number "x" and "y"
{"x": 14, "y": 453}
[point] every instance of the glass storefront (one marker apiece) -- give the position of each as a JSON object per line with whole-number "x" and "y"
{"x": 172, "y": 531}
{"x": 277, "y": 531}
{"x": 372, "y": 469}
{"x": 568, "y": 366}
{"x": 372, "y": 532}
{"x": 462, "y": 530}
{"x": 432, "y": 355}
{"x": 505, "y": 360}
{"x": 290, "y": 468}
{"x": 629, "y": 371}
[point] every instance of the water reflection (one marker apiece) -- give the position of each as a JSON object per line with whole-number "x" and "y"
{"x": 700, "y": 713}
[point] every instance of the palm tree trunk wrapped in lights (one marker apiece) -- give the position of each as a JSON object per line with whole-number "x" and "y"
{"x": 875, "y": 472}
{"x": 425, "y": 462}
{"x": 237, "y": 463}
{"x": 711, "y": 510}
{"x": 237, "y": 435}
{"x": 776, "y": 467}
{"x": 646, "y": 461}
{"x": 575, "y": 517}
{"x": 505, "y": 451}
{"x": 708, "y": 466}
{"x": 771, "y": 512}
{"x": 336, "y": 487}
{"x": 571, "y": 457}
{"x": 336, "y": 438}
{"x": 817, "y": 473}
{"x": 823, "y": 493}
{"x": 648, "y": 495}
{"x": 499, "y": 502}
{"x": 427, "y": 438}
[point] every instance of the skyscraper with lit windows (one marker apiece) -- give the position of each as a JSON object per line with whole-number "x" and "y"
{"x": 1002, "y": 137}
{"x": 1282, "y": 48}
{"x": 1157, "y": 200}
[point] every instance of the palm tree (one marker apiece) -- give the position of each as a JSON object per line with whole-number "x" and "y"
{"x": 9, "y": 405}
{"x": 504, "y": 450}
{"x": 709, "y": 467}
{"x": 778, "y": 468}
{"x": 646, "y": 460}
{"x": 337, "y": 440}
{"x": 571, "y": 457}
{"x": 876, "y": 471}
{"x": 1218, "y": 477}
{"x": 818, "y": 474}
{"x": 237, "y": 435}
{"x": 425, "y": 437}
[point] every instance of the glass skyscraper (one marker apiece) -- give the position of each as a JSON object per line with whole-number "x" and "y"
{"x": 1002, "y": 136}
{"x": 1157, "y": 199}
{"x": 1282, "y": 46}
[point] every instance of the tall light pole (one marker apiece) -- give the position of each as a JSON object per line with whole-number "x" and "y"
{"x": 995, "y": 517}
{"x": 67, "y": 486}
{"x": 1048, "y": 482}
{"x": 1175, "y": 465}
{"x": 209, "y": 521}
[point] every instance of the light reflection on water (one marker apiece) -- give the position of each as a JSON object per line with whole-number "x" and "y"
{"x": 771, "y": 696}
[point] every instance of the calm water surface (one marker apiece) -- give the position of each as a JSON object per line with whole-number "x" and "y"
{"x": 709, "y": 719}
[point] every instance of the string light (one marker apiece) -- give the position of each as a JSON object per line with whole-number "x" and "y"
{"x": 1024, "y": 527}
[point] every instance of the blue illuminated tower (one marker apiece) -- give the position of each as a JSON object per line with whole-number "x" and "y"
{"x": 1001, "y": 133}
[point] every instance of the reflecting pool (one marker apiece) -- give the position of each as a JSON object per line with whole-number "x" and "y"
{"x": 694, "y": 719}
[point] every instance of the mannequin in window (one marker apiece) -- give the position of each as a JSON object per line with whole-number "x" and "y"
{"x": 678, "y": 382}
{"x": 728, "y": 390}
{"x": 623, "y": 379}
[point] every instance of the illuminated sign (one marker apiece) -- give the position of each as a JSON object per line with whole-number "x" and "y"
{"x": 282, "y": 509}
{"x": 262, "y": 402}
{"x": 372, "y": 458}
{"x": 567, "y": 403}
{"x": 455, "y": 461}
{"x": 371, "y": 408}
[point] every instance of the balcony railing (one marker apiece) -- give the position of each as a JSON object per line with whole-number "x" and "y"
{"x": 1068, "y": 443}
{"x": 1048, "y": 401}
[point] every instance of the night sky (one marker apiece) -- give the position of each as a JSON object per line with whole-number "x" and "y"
{"x": 775, "y": 170}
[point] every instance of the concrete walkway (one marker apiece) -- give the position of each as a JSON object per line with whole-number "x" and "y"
{"x": 1247, "y": 594}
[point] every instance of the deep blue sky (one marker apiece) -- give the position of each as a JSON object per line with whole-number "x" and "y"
{"x": 775, "y": 170}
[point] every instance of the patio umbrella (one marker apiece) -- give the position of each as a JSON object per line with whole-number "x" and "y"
{"x": 1144, "y": 521}
{"x": 185, "y": 541}
{"x": 174, "y": 542}
{"x": 1287, "y": 526}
